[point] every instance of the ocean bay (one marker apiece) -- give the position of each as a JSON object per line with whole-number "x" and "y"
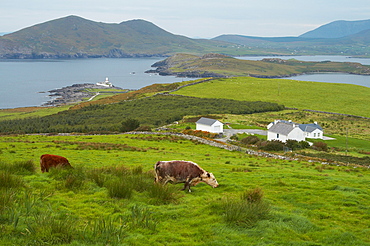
{"x": 22, "y": 80}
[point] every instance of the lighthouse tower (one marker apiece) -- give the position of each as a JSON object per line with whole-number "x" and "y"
{"x": 106, "y": 83}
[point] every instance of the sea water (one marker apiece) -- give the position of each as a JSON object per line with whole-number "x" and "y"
{"x": 25, "y": 83}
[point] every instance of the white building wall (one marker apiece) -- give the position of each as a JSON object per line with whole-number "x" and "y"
{"x": 317, "y": 134}
{"x": 297, "y": 134}
{"x": 217, "y": 127}
{"x": 276, "y": 136}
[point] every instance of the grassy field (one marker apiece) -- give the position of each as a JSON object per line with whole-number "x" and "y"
{"x": 329, "y": 97}
{"x": 307, "y": 203}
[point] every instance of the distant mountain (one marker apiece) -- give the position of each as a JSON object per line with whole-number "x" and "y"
{"x": 338, "y": 29}
{"x": 325, "y": 40}
{"x": 73, "y": 37}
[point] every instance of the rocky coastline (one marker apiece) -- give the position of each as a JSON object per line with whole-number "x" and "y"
{"x": 74, "y": 94}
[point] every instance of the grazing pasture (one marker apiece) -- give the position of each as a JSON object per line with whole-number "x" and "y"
{"x": 329, "y": 97}
{"x": 110, "y": 197}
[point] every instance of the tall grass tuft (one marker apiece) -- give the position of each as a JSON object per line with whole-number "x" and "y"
{"x": 19, "y": 167}
{"x": 117, "y": 188}
{"x": 163, "y": 194}
{"x": 141, "y": 217}
{"x": 8, "y": 180}
{"x": 72, "y": 179}
{"x": 107, "y": 230}
{"x": 48, "y": 229}
{"x": 247, "y": 210}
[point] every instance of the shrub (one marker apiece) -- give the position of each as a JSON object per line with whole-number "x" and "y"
{"x": 129, "y": 125}
{"x": 320, "y": 146}
{"x": 294, "y": 144}
{"x": 274, "y": 145}
{"x": 144, "y": 129}
{"x": 250, "y": 140}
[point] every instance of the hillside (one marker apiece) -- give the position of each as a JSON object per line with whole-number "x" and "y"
{"x": 74, "y": 37}
{"x": 338, "y": 29}
{"x": 215, "y": 65}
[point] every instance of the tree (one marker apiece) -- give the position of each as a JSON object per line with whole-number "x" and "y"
{"x": 129, "y": 125}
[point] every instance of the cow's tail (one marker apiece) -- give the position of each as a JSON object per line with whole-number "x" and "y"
{"x": 156, "y": 170}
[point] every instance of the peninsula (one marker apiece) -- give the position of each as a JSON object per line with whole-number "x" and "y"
{"x": 222, "y": 66}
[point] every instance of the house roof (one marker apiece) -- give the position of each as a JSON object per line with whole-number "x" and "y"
{"x": 310, "y": 127}
{"x": 281, "y": 128}
{"x": 206, "y": 121}
{"x": 304, "y": 127}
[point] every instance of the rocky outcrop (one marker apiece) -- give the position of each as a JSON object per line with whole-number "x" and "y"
{"x": 72, "y": 94}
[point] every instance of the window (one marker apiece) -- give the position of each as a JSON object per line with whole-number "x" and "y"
{"x": 277, "y": 135}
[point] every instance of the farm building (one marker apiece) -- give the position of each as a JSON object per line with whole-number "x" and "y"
{"x": 283, "y": 130}
{"x": 209, "y": 125}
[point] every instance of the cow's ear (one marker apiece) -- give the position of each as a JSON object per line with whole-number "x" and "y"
{"x": 208, "y": 175}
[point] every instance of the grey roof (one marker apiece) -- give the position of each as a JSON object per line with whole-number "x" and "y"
{"x": 310, "y": 127}
{"x": 206, "y": 121}
{"x": 281, "y": 128}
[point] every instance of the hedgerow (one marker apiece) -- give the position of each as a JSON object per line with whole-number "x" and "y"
{"x": 152, "y": 111}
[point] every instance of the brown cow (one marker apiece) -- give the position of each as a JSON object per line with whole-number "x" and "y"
{"x": 183, "y": 172}
{"x": 47, "y": 161}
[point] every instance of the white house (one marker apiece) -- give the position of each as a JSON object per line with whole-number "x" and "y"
{"x": 312, "y": 130}
{"x": 209, "y": 125}
{"x": 283, "y": 130}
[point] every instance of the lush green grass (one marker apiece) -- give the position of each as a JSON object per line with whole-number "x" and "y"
{"x": 29, "y": 112}
{"x": 308, "y": 203}
{"x": 329, "y": 97}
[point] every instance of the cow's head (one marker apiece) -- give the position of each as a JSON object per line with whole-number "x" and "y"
{"x": 210, "y": 179}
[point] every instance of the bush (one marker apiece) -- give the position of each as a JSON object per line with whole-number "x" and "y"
{"x": 274, "y": 145}
{"x": 320, "y": 146}
{"x": 294, "y": 144}
{"x": 250, "y": 140}
{"x": 129, "y": 125}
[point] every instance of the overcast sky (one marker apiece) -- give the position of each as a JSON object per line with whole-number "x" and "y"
{"x": 192, "y": 18}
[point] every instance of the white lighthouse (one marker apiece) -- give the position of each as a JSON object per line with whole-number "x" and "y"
{"x": 106, "y": 83}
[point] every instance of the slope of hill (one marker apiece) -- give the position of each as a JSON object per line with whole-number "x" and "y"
{"x": 338, "y": 29}
{"x": 215, "y": 65}
{"x": 74, "y": 36}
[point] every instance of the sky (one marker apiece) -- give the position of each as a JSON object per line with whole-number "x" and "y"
{"x": 192, "y": 18}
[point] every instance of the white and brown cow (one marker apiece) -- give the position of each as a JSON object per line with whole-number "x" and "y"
{"x": 47, "y": 161}
{"x": 183, "y": 172}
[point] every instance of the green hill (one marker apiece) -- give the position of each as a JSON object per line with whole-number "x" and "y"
{"x": 73, "y": 37}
